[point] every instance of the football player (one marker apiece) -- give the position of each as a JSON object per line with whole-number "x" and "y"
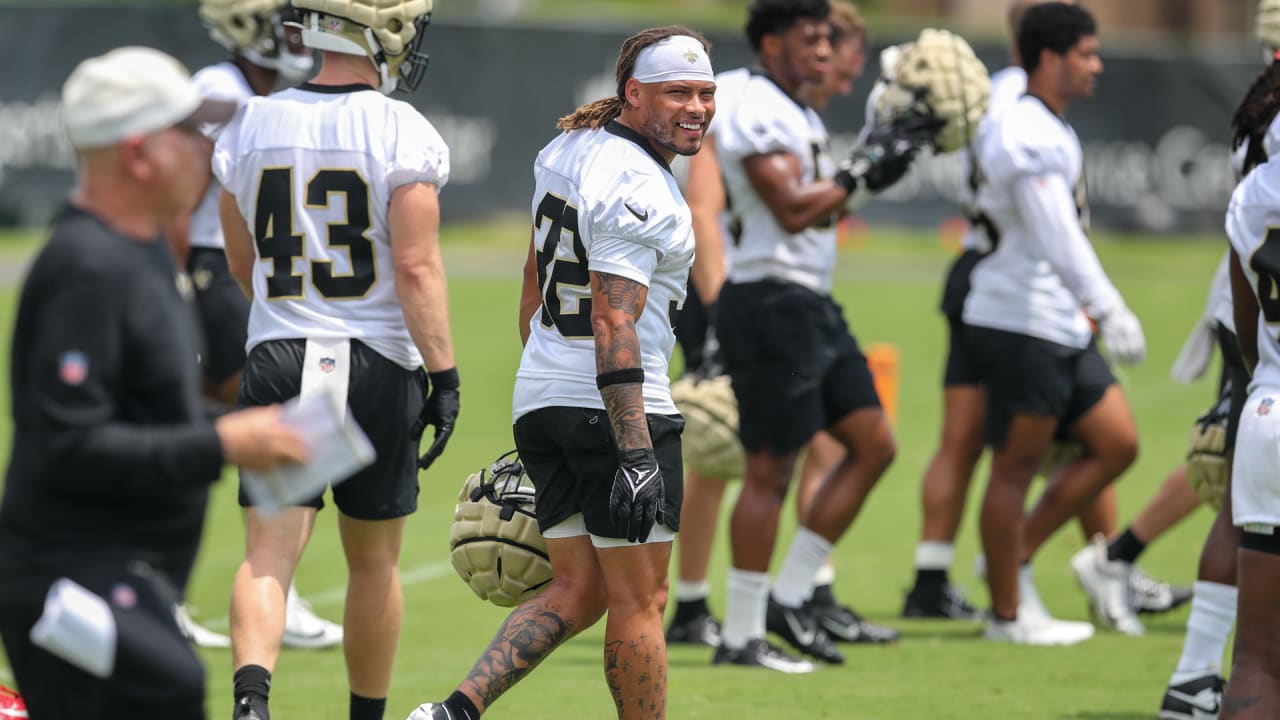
{"x": 609, "y": 257}
{"x": 796, "y": 368}
{"x": 1253, "y": 690}
{"x": 1196, "y": 686}
{"x": 264, "y": 52}
{"x": 692, "y": 621}
{"x": 330, "y": 214}
{"x": 1028, "y": 316}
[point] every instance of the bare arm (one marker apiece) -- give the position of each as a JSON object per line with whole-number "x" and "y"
{"x": 239, "y": 242}
{"x": 704, "y": 191}
{"x": 530, "y": 293}
{"x": 414, "y": 219}
{"x": 796, "y": 203}
{"x": 1245, "y": 310}
{"x": 616, "y": 305}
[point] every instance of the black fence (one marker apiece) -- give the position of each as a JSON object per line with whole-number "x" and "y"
{"x": 1155, "y": 136}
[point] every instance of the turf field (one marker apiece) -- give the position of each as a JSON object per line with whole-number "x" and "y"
{"x": 889, "y": 287}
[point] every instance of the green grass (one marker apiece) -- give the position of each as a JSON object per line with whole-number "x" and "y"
{"x": 889, "y": 289}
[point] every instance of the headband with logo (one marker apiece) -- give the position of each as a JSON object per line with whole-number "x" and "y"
{"x": 679, "y": 57}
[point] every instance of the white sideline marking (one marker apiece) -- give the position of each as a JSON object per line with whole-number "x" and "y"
{"x": 5, "y": 674}
{"x": 333, "y": 596}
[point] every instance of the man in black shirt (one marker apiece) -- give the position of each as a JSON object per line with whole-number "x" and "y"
{"x": 113, "y": 451}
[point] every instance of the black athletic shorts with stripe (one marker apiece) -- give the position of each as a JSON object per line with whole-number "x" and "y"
{"x": 385, "y": 400}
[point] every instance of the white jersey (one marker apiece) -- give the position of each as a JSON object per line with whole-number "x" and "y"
{"x": 223, "y": 81}
{"x": 766, "y": 120}
{"x": 312, "y": 170}
{"x": 603, "y": 201}
{"x": 729, "y": 86}
{"x": 1007, "y": 86}
{"x": 1043, "y": 271}
{"x": 1253, "y": 213}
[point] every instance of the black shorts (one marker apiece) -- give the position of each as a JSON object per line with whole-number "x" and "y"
{"x": 157, "y": 672}
{"x": 1024, "y": 375}
{"x": 1233, "y": 383}
{"x": 795, "y": 367}
{"x": 224, "y": 313}
{"x": 570, "y": 456}
{"x": 691, "y": 329}
{"x": 961, "y": 369}
{"x": 385, "y": 400}
{"x": 955, "y": 288}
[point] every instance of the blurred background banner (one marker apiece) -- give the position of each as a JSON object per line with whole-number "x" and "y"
{"x": 1156, "y": 136}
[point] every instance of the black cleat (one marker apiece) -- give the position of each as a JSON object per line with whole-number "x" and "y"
{"x": 1199, "y": 698}
{"x": 1152, "y": 596}
{"x": 845, "y": 625}
{"x": 799, "y": 627}
{"x": 760, "y": 653}
{"x": 947, "y": 603}
{"x": 698, "y": 630}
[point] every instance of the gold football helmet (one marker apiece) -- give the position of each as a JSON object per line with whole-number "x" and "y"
{"x": 388, "y": 32}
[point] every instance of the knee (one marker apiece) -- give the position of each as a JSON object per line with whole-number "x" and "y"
{"x": 882, "y": 455}
{"x": 580, "y": 601}
{"x": 639, "y": 598}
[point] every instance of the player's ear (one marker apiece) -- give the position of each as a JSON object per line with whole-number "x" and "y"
{"x": 632, "y": 92}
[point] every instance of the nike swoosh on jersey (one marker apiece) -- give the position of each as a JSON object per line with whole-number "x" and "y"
{"x": 803, "y": 635}
{"x": 642, "y": 217}
{"x": 1195, "y": 704}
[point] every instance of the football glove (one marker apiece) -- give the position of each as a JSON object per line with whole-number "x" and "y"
{"x": 881, "y": 158}
{"x": 635, "y": 502}
{"x": 1207, "y": 469}
{"x": 712, "y": 362}
{"x": 1123, "y": 336}
{"x": 440, "y": 411}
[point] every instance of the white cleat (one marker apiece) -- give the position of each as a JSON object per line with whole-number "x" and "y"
{"x": 1109, "y": 587}
{"x": 303, "y": 629}
{"x": 195, "y": 633}
{"x": 1038, "y": 631}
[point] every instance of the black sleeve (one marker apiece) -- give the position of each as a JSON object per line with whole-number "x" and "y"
{"x": 74, "y": 374}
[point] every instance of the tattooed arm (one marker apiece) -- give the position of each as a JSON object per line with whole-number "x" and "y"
{"x": 616, "y": 305}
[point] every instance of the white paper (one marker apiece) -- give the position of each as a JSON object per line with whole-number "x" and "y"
{"x": 78, "y": 627}
{"x": 337, "y": 450}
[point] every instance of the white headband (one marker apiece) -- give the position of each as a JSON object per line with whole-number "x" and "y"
{"x": 679, "y": 57}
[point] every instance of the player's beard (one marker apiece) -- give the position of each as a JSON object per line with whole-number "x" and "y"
{"x": 663, "y": 133}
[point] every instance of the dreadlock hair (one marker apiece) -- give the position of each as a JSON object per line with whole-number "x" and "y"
{"x": 597, "y": 114}
{"x": 774, "y": 17}
{"x": 1253, "y": 117}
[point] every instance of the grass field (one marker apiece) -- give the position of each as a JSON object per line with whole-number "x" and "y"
{"x": 889, "y": 288}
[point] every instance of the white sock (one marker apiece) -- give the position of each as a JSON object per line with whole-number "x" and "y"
{"x": 1030, "y": 607}
{"x": 744, "y": 607}
{"x": 795, "y": 580}
{"x": 1213, "y": 612}
{"x": 935, "y": 555}
{"x": 826, "y": 575}
{"x": 686, "y": 590}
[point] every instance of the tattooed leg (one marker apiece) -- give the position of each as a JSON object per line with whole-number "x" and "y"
{"x": 635, "y": 652}
{"x": 572, "y": 602}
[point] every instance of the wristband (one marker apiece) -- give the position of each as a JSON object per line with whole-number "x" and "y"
{"x": 445, "y": 379}
{"x": 618, "y": 377}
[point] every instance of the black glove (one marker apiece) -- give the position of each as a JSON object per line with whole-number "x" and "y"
{"x": 712, "y": 363}
{"x": 886, "y": 154}
{"x": 440, "y": 410}
{"x": 635, "y": 503}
